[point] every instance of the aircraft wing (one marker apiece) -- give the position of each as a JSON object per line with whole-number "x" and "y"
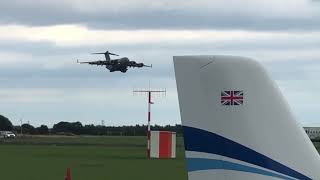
{"x": 98, "y": 63}
{"x": 139, "y": 65}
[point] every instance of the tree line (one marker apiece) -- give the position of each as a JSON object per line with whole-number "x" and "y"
{"x": 77, "y": 128}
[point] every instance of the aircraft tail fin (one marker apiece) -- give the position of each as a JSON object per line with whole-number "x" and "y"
{"x": 106, "y": 55}
{"x": 237, "y": 124}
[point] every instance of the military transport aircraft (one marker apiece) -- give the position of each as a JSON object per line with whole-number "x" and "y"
{"x": 120, "y": 64}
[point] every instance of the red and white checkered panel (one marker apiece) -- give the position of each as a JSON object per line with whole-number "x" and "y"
{"x": 163, "y": 144}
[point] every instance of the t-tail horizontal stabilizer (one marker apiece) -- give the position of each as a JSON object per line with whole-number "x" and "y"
{"x": 237, "y": 125}
{"x": 106, "y": 54}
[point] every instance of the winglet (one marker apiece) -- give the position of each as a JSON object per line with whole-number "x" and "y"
{"x": 148, "y": 66}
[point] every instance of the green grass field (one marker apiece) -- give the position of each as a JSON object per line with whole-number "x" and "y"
{"x": 91, "y": 158}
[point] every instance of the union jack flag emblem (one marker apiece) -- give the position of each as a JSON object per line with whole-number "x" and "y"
{"x": 231, "y": 98}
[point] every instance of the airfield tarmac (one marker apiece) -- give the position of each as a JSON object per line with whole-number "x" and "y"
{"x": 90, "y": 157}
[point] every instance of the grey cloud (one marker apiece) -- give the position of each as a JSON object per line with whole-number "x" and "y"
{"x": 72, "y": 75}
{"x": 212, "y": 17}
{"x": 297, "y": 70}
{"x": 158, "y": 51}
{"x": 79, "y": 76}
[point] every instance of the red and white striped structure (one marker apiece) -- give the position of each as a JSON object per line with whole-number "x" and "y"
{"x": 163, "y": 144}
{"x": 149, "y": 119}
{"x": 149, "y": 113}
{"x": 68, "y": 174}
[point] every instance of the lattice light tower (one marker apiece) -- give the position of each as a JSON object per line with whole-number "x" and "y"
{"x": 149, "y": 92}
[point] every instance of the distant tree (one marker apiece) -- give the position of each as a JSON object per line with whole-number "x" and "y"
{"x": 28, "y": 129}
{"x": 5, "y": 124}
{"x": 43, "y": 129}
{"x": 90, "y": 130}
{"x": 74, "y": 127}
{"x": 16, "y": 129}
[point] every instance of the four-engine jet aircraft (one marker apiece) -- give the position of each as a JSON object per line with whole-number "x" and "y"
{"x": 120, "y": 64}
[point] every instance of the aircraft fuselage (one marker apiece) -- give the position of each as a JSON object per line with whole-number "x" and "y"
{"x": 119, "y": 65}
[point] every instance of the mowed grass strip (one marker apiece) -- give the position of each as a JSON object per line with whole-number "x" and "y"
{"x": 118, "y": 141}
{"x": 91, "y": 158}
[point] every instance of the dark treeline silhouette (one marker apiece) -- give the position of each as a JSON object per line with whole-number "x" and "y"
{"x": 76, "y": 128}
{"x": 5, "y": 124}
{"x": 137, "y": 130}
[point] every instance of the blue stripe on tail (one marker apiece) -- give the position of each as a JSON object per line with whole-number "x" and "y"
{"x": 199, "y": 140}
{"x": 198, "y": 164}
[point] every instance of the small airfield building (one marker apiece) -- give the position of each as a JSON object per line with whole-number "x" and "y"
{"x": 313, "y": 132}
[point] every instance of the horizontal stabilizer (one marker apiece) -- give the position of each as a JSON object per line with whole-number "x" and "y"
{"x": 107, "y": 52}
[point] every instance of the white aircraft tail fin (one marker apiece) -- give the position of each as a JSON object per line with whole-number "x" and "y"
{"x": 237, "y": 124}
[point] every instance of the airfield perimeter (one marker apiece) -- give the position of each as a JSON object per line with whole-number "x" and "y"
{"x": 90, "y": 157}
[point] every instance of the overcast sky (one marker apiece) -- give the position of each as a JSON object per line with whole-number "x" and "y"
{"x": 40, "y": 41}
